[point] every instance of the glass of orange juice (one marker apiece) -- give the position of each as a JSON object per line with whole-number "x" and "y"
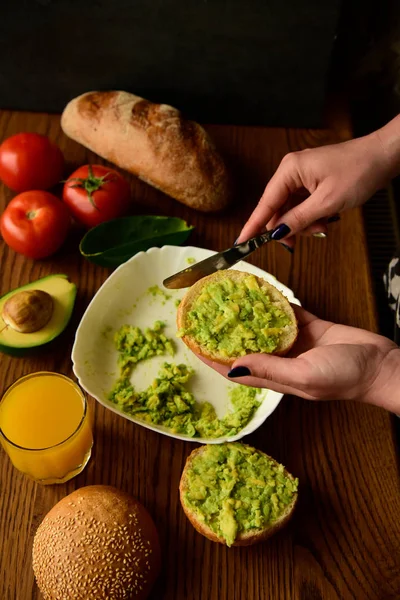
{"x": 45, "y": 427}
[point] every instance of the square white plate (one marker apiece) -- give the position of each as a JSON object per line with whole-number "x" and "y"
{"x": 124, "y": 299}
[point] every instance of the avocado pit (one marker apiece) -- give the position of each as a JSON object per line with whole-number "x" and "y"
{"x": 28, "y": 311}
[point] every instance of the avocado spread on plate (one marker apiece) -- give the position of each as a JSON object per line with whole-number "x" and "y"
{"x": 235, "y": 318}
{"x": 155, "y": 290}
{"x": 167, "y": 401}
{"x": 135, "y": 345}
{"x": 233, "y": 488}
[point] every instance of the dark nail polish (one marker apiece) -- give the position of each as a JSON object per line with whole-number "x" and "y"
{"x": 280, "y": 232}
{"x": 334, "y": 219}
{"x": 288, "y": 248}
{"x": 239, "y": 372}
{"x": 235, "y": 242}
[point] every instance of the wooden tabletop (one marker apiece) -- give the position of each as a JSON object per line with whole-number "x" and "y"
{"x": 343, "y": 542}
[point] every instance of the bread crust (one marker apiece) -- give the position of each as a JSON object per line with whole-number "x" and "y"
{"x": 152, "y": 141}
{"x": 90, "y": 536}
{"x": 187, "y": 301}
{"x": 247, "y": 538}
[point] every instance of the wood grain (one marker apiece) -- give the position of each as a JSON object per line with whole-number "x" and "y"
{"x": 343, "y": 542}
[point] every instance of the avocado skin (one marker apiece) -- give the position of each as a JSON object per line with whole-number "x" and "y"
{"x": 20, "y": 352}
{"x": 32, "y": 350}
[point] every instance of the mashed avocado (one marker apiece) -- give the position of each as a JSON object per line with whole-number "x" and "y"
{"x": 155, "y": 290}
{"x": 167, "y": 401}
{"x": 235, "y": 318}
{"x": 134, "y": 345}
{"x": 244, "y": 404}
{"x": 233, "y": 488}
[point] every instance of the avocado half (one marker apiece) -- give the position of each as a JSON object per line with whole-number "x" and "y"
{"x": 63, "y": 293}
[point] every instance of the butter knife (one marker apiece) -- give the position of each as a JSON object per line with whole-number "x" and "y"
{"x": 217, "y": 262}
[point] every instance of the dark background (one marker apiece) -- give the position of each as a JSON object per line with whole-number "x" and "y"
{"x": 366, "y": 69}
{"x": 366, "y": 61}
{"x": 265, "y": 62}
{"x": 262, "y": 62}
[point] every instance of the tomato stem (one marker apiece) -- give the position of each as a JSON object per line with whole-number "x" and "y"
{"x": 31, "y": 214}
{"x": 91, "y": 184}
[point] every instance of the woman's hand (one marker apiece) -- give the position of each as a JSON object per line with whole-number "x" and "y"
{"x": 313, "y": 185}
{"x": 327, "y": 362}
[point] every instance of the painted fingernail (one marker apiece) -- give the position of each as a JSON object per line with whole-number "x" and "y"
{"x": 334, "y": 219}
{"x": 288, "y": 248}
{"x": 280, "y": 232}
{"x": 235, "y": 242}
{"x": 239, "y": 372}
{"x": 319, "y": 235}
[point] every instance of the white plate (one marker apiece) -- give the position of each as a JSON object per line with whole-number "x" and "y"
{"x": 124, "y": 299}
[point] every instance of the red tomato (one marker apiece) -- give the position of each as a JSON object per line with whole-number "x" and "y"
{"x": 95, "y": 194}
{"x": 35, "y": 223}
{"x": 30, "y": 161}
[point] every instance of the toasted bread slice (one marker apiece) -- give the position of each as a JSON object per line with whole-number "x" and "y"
{"x": 243, "y": 538}
{"x": 288, "y": 333}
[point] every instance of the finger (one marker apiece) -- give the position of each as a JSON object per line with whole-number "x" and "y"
{"x": 278, "y": 190}
{"x": 320, "y": 226}
{"x": 290, "y": 242}
{"x": 302, "y": 315}
{"x": 256, "y": 381}
{"x": 277, "y": 372}
{"x": 293, "y": 199}
{"x": 316, "y": 229}
{"x": 302, "y": 216}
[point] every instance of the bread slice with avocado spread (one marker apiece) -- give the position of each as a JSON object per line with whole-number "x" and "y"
{"x": 231, "y": 313}
{"x": 236, "y": 495}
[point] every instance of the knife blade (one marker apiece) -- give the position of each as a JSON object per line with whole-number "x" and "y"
{"x": 217, "y": 262}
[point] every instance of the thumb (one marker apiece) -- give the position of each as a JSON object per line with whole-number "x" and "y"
{"x": 289, "y": 372}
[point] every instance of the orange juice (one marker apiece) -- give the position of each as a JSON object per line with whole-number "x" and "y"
{"x": 45, "y": 427}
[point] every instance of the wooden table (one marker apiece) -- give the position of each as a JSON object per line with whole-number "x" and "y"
{"x": 343, "y": 542}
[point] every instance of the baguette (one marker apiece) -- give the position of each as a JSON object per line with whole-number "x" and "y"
{"x": 287, "y": 333}
{"x": 243, "y": 537}
{"x": 152, "y": 141}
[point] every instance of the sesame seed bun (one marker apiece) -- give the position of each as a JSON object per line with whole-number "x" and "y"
{"x": 245, "y": 538}
{"x": 97, "y": 543}
{"x": 287, "y": 337}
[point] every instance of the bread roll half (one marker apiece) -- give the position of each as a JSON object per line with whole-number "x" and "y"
{"x": 235, "y": 328}
{"x": 222, "y": 464}
{"x": 154, "y": 142}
